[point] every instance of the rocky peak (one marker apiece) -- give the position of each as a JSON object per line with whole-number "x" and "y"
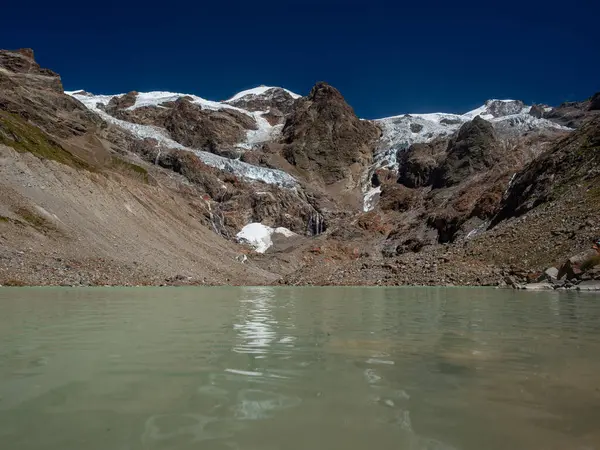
{"x": 594, "y": 102}
{"x": 27, "y": 52}
{"x": 323, "y": 92}
{"x": 36, "y": 93}
{"x": 20, "y": 63}
{"x": 501, "y": 108}
{"x": 326, "y": 141}
{"x": 537, "y": 111}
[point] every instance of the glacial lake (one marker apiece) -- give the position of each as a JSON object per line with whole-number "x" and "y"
{"x": 269, "y": 368}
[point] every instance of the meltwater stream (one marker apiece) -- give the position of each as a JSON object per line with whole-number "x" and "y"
{"x": 298, "y": 368}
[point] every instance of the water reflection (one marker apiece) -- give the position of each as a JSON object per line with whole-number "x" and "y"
{"x": 256, "y": 323}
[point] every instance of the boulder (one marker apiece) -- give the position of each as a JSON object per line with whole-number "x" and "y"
{"x": 538, "y": 287}
{"x": 572, "y": 268}
{"x": 550, "y": 274}
{"x": 591, "y": 285}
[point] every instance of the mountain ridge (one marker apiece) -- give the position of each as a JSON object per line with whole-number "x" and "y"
{"x": 409, "y": 199}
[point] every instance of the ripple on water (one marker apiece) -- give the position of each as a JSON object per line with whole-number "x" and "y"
{"x": 179, "y": 428}
{"x": 254, "y": 404}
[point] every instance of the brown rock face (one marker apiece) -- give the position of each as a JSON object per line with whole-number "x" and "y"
{"x": 474, "y": 149}
{"x": 191, "y": 126}
{"x": 23, "y": 68}
{"x": 28, "y": 52}
{"x": 574, "y": 114}
{"x": 187, "y": 122}
{"x": 395, "y": 197}
{"x": 326, "y": 141}
{"x": 122, "y": 102}
{"x": 36, "y": 95}
{"x": 418, "y": 163}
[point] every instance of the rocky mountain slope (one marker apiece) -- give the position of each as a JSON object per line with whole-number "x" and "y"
{"x": 271, "y": 187}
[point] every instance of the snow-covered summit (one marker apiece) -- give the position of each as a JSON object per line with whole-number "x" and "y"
{"x": 260, "y": 91}
{"x": 498, "y": 108}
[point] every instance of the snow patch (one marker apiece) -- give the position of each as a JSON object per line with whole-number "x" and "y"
{"x": 370, "y": 198}
{"x": 259, "y": 236}
{"x": 264, "y": 133}
{"x": 156, "y": 98}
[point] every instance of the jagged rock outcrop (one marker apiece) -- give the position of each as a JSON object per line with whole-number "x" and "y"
{"x": 594, "y": 102}
{"x": 574, "y": 114}
{"x": 537, "y": 111}
{"x": 22, "y": 66}
{"x": 325, "y": 140}
{"x": 475, "y": 148}
{"x": 36, "y": 95}
{"x": 121, "y": 102}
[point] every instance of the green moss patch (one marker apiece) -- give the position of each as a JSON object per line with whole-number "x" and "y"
{"x": 19, "y": 134}
{"x": 126, "y": 166}
{"x": 12, "y": 282}
{"x": 36, "y": 221}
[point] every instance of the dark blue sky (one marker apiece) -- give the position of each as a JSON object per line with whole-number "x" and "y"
{"x": 385, "y": 57}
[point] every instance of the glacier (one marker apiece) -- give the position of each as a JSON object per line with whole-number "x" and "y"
{"x": 238, "y": 168}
